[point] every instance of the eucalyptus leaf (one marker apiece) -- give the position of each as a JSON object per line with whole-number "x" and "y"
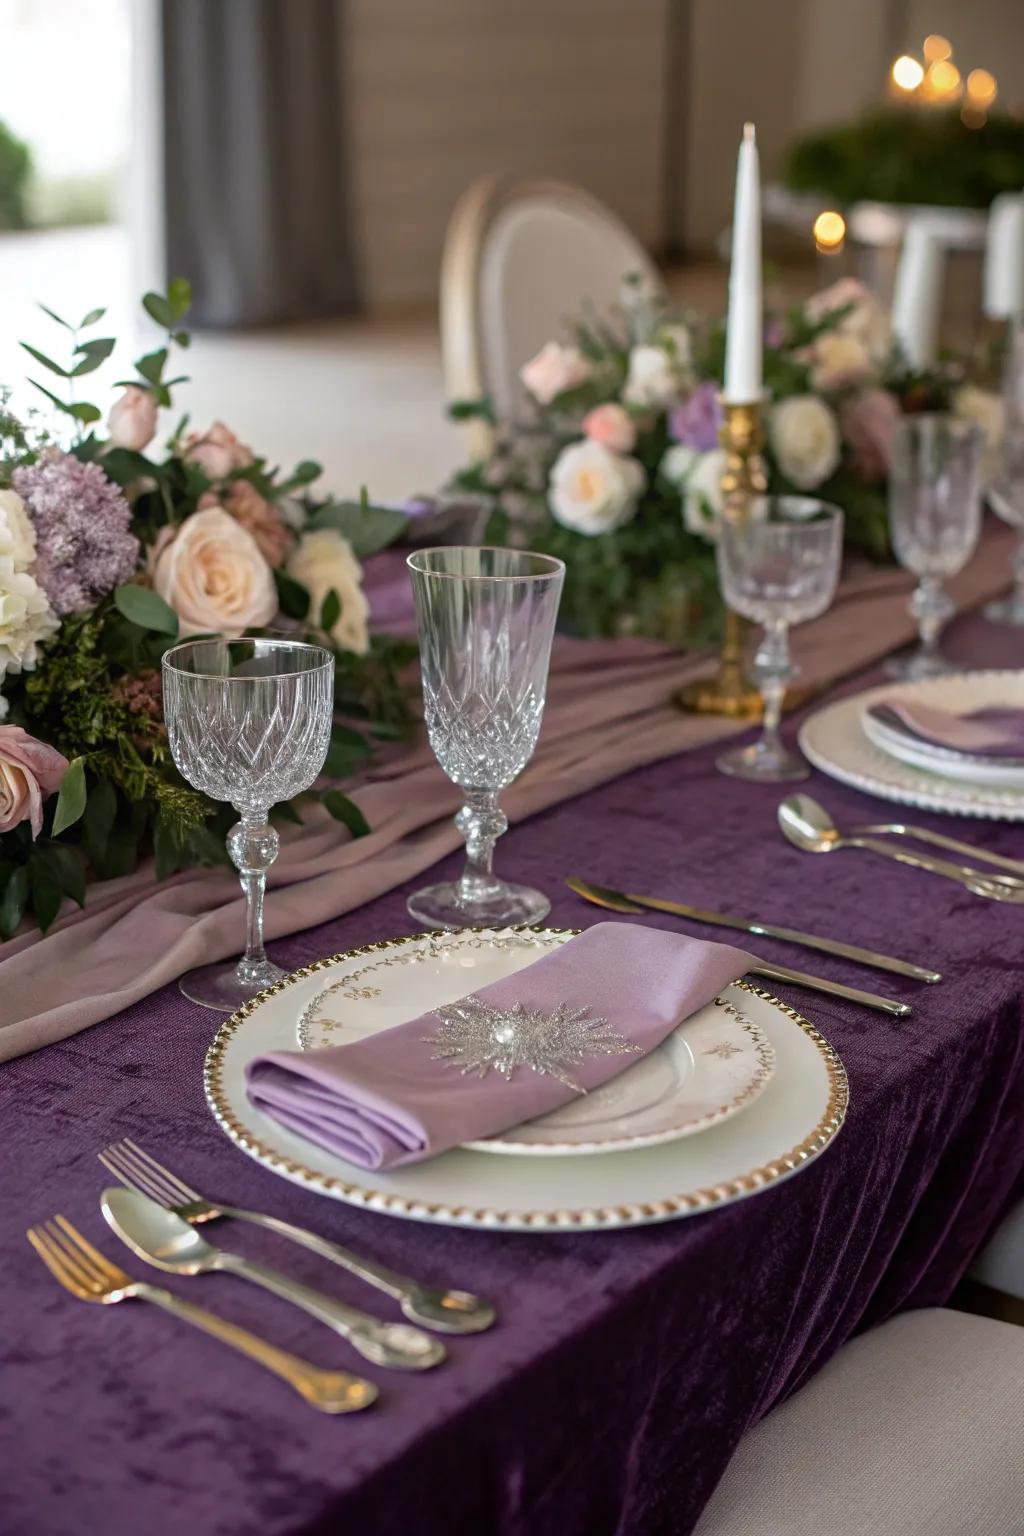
{"x": 158, "y": 309}
{"x": 367, "y": 528}
{"x": 67, "y": 861}
{"x": 179, "y": 297}
{"x": 145, "y": 608}
{"x": 330, "y": 610}
{"x": 90, "y": 319}
{"x": 72, "y": 797}
{"x": 346, "y": 811}
{"x": 284, "y": 810}
{"x": 13, "y": 901}
{"x": 54, "y": 316}
{"x": 47, "y": 362}
{"x": 84, "y": 412}
{"x": 47, "y": 890}
{"x": 151, "y": 366}
{"x": 93, "y": 354}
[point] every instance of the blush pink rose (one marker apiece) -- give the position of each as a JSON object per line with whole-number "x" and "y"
{"x": 29, "y": 771}
{"x": 217, "y": 452}
{"x": 867, "y": 421}
{"x": 554, "y": 370}
{"x": 132, "y": 419}
{"x": 612, "y": 426}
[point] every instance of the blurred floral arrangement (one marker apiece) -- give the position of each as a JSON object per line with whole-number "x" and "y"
{"x": 108, "y": 554}
{"x": 616, "y": 470}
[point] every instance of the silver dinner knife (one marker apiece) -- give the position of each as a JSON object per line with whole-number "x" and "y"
{"x": 604, "y": 895}
{"x": 619, "y": 903}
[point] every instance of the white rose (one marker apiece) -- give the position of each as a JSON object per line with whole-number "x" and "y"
{"x": 838, "y": 361}
{"x": 677, "y": 462}
{"x": 211, "y": 572}
{"x": 593, "y": 490}
{"x": 702, "y": 494}
{"x": 676, "y": 341}
{"x": 983, "y": 407}
{"x": 554, "y": 370}
{"x": 322, "y": 561}
{"x": 653, "y": 379}
{"x": 804, "y": 436}
{"x": 17, "y": 535}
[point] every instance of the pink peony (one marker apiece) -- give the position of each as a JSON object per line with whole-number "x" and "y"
{"x": 867, "y": 421}
{"x": 132, "y": 419}
{"x": 217, "y": 452}
{"x": 29, "y": 771}
{"x": 612, "y": 426}
{"x": 554, "y": 370}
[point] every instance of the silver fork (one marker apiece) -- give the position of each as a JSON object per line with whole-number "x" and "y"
{"x": 444, "y": 1311}
{"x": 87, "y": 1274}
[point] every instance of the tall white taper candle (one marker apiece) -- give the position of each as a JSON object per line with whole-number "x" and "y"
{"x": 917, "y": 296}
{"x": 1004, "y": 257}
{"x": 743, "y": 336}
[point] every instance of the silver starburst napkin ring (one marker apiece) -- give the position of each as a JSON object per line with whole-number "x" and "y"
{"x": 476, "y": 1038}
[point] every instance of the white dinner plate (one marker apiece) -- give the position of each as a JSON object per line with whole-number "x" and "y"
{"x": 835, "y": 740}
{"x": 1003, "y": 773}
{"x": 714, "y": 1065}
{"x": 793, "y": 1117}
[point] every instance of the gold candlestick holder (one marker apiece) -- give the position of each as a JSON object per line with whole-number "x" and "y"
{"x": 730, "y": 692}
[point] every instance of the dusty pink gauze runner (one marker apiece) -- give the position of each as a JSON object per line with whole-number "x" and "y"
{"x": 610, "y": 708}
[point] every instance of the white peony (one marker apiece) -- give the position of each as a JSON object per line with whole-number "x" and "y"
{"x": 593, "y": 490}
{"x": 17, "y": 535}
{"x": 677, "y": 462}
{"x": 26, "y": 618}
{"x": 702, "y": 494}
{"x": 554, "y": 370}
{"x": 804, "y": 436}
{"x": 322, "y": 561}
{"x": 654, "y": 380}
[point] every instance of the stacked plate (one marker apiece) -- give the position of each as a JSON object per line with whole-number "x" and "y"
{"x": 743, "y": 1093}
{"x": 862, "y": 743}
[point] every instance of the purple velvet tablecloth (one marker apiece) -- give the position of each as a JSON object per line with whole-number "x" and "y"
{"x": 626, "y": 1365}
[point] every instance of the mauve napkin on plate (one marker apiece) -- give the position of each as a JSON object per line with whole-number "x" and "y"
{"x": 387, "y": 1099}
{"x": 996, "y": 731}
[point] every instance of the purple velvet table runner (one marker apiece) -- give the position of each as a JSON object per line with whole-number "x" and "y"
{"x": 626, "y": 1366}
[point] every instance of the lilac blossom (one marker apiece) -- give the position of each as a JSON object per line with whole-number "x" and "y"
{"x": 697, "y": 419}
{"x": 84, "y": 543}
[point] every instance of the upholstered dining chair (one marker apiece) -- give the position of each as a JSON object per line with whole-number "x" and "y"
{"x": 521, "y": 258}
{"x": 914, "y": 1429}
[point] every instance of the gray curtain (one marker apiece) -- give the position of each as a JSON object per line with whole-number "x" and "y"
{"x": 254, "y": 165}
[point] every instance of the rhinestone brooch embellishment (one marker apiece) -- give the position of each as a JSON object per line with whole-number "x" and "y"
{"x": 476, "y": 1039}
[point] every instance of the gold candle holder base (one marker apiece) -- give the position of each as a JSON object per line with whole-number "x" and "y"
{"x": 730, "y": 692}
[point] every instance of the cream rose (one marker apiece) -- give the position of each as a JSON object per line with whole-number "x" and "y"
{"x": 211, "y": 572}
{"x": 132, "y": 419}
{"x": 804, "y": 436}
{"x": 702, "y": 494}
{"x": 593, "y": 490}
{"x": 984, "y": 408}
{"x": 867, "y": 321}
{"x": 554, "y": 370}
{"x": 838, "y": 361}
{"x": 324, "y": 561}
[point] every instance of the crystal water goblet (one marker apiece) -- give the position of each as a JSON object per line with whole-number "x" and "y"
{"x": 486, "y": 620}
{"x": 1005, "y": 491}
{"x": 779, "y": 566}
{"x": 935, "y": 521}
{"x": 248, "y": 721}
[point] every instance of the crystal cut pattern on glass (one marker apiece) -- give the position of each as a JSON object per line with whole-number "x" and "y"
{"x": 476, "y": 1039}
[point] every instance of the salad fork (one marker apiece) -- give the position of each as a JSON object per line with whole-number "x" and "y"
{"x": 444, "y": 1311}
{"x": 87, "y": 1274}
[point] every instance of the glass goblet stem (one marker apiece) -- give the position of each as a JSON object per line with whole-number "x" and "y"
{"x": 773, "y": 670}
{"x": 481, "y": 823}
{"x": 253, "y": 845}
{"x": 932, "y": 609}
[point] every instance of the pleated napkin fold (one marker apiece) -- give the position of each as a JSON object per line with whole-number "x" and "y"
{"x": 507, "y": 1053}
{"x": 995, "y": 731}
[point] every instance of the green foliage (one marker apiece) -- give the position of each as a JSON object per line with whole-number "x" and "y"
{"x": 346, "y": 811}
{"x": 902, "y": 155}
{"x": 145, "y": 608}
{"x": 367, "y": 528}
{"x": 15, "y": 170}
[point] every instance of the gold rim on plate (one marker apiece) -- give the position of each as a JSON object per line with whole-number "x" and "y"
{"x": 593, "y": 1217}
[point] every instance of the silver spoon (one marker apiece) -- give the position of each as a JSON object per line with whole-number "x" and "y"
{"x": 808, "y": 825}
{"x": 166, "y": 1241}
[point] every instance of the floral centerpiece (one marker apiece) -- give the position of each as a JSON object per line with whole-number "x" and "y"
{"x": 108, "y": 553}
{"x": 616, "y": 469}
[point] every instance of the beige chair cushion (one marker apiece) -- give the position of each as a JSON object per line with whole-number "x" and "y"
{"x": 1000, "y": 1263}
{"x": 916, "y": 1429}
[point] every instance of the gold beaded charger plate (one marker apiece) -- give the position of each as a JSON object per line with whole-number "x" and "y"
{"x": 791, "y": 1115}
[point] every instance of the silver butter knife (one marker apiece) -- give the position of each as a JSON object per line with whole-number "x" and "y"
{"x": 603, "y": 895}
{"x": 617, "y": 903}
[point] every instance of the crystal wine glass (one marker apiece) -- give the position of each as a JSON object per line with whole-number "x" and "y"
{"x": 486, "y": 620}
{"x": 1006, "y": 487}
{"x": 778, "y": 566}
{"x": 935, "y": 519}
{"x": 248, "y": 721}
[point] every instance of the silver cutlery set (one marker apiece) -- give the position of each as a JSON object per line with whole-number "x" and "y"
{"x": 809, "y": 827}
{"x": 156, "y": 1216}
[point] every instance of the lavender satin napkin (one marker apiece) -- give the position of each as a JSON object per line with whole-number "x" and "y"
{"x": 605, "y": 998}
{"x": 995, "y": 731}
